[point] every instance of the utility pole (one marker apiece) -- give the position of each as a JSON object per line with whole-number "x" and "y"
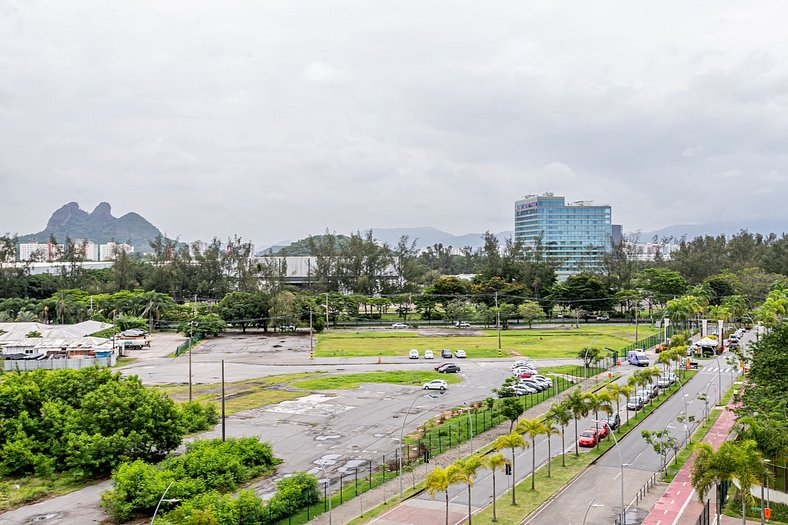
{"x": 637, "y": 308}
{"x": 311, "y": 339}
{"x": 223, "y": 418}
{"x": 326, "y": 309}
{"x": 498, "y": 320}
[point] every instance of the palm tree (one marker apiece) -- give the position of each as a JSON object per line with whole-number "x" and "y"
{"x": 549, "y": 430}
{"x": 605, "y": 399}
{"x": 464, "y": 471}
{"x": 561, "y": 414}
{"x": 438, "y": 481}
{"x": 594, "y": 404}
{"x": 652, "y": 373}
{"x": 533, "y": 427}
{"x": 494, "y": 462}
{"x": 626, "y": 391}
{"x": 578, "y": 407}
{"x": 615, "y": 393}
{"x": 739, "y": 460}
{"x": 155, "y": 303}
{"x": 511, "y": 441}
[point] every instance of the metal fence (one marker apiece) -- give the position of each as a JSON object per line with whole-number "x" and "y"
{"x": 189, "y": 343}
{"x": 779, "y": 477}
{"x": 24, "y": 365}
{"x": 704, "y": 517}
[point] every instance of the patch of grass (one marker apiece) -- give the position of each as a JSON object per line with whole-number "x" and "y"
{"x": 240, "y": 395}
{"x": 22, "y": 491}
{"x": 342, "y": 381}
{"x": 538, "y": 343}
{"x": 123, "y": 361}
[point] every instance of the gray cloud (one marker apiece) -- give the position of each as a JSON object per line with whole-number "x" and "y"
{"x": 274, "y": 120}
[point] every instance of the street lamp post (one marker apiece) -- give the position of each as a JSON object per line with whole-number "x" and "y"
{"x": 470, "y": 426}
{"x": 401, "y": 434}
{"x": 328, "y": 486}
{"x": 621, "y": 461}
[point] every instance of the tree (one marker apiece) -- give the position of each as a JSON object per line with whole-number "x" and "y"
{"x": 243, "y": 308}
{"x": 626, "y": 391}
{"x": 577, "y": 405}
{"x": 550, "y": 431}
{"x": 590, "y": 355}
{"x": 438, "y": 481}
{"x": 530, "y": 311}
{"x": 584, "y": 292}
{"x": 494, "y": 462}
{"x": 533, "y": 427}
{"x": 560, "y": 413}
{"x": 661, "y": 441}
{"x": 464, "y": 471}
{"x": 660, "y": 284}
{"x": 511, "y": 409}
{"x": 739, "y": 460}
{"x": 283, "y": 308}
{"x": 510, "y": 441}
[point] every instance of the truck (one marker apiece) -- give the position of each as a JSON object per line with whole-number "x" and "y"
{"x": 132, "y": 340}
{"x": 637, "y": 357}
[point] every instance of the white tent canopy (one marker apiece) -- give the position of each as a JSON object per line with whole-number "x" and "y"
{"x": 707, "y": 341}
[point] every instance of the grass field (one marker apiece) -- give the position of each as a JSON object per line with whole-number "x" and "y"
{"x": 541, "y": 343}
{"x": 340, "y": 381}
{"x": 240, "y": 395}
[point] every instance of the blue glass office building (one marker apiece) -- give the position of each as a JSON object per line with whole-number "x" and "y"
{"x": 576, "y": 235}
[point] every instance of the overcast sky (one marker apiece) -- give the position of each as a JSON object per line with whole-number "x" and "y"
{"x": 279, "y": 119}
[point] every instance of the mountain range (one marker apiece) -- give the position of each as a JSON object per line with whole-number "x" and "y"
{"x": 98, "y": 226}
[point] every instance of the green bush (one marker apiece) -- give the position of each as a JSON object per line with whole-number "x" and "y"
{"x": 196, "y": 417}
{"x": 293, "y": 493}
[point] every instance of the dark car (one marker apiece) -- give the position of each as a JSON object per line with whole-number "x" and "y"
{"x": 613, "y": 421}
{"x": 446, "y": 353}
{"x": 449, "y": 368}
{"x": 439, "y": 366}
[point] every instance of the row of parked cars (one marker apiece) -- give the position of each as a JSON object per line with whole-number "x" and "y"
{"x": 639, "y": 399}
{"x": 529, "y": 381}
{"x": 445, "y": 354}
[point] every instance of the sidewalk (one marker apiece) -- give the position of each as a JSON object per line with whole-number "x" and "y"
{"x": 679, "y": 504}
{"x": 411, "y": 513}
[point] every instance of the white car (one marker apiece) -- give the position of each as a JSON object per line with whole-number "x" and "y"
{"x": 462, "y": 324}
{"x": 436, "y": 384}
{"x": 460, "y": 354}
{"x": 428, "y": 354}
{"x": 520, "y": 364}
{"x": 399, "y": 325}
{"x": 414, "y": 354}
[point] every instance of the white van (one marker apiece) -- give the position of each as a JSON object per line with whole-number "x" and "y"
{"x": 637, "y": 357}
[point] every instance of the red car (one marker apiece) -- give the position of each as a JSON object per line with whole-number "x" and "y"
{"x": 603, "y": 430}
{"x": 588, "y": 438}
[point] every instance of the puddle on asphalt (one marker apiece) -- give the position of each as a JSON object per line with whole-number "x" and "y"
{"x": 312, "y": 404}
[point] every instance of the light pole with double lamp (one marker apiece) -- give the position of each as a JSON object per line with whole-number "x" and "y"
{"x": 621, "y": 461}
{"x": 402, "y": 432}
{"x": 320, "y": 464}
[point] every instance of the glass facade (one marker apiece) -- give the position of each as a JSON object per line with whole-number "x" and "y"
{"x": 576, "y": 234}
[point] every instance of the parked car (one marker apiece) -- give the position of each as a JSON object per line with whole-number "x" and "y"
{"x": 399, "y": 325}
{"x": 462, "y": 324}
{"x": 588, "y": 438}
{"x": 449, "y": 368}
{"x": 543, "y": 378}
{"x": 523, "y": 390}
{"x": 602, "y": 430}
{"x": 446, "y": 353}
{"x": 439, "y": 366}
{"x": 519, "y": 364}
{"x": 524, "y": 373}
{"x": 533, "y": 384}
{"x": 287, "y": 328}
{"x": 436, "y": 384}
{"x": 635, "y": 403}
{"x": 428, "y": 354}
{"x": 614, "y": 420}
{"x": 542, "y": 381}
{"x": 663, "y": 381}
{"x": 644, "y": 393}
{"x": 603, "y": 318}
{"x": 413, "y": 354}
{"x": 460, "y": 354}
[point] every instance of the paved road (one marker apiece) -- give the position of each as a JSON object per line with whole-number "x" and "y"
{"x": 640, "y": 460}
{"x": 339, "y": 429}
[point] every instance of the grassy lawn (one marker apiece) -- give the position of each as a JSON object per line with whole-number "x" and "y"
{"x": 240, "y": 395}
{"x": 539, "y": 343}
{"x": 17, "y": 492}
{"x": 341, "y": 381}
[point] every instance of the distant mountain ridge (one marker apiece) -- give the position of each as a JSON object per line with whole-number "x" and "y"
{"x": 98, "y": 226}
{"x": 727, "y": 228}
